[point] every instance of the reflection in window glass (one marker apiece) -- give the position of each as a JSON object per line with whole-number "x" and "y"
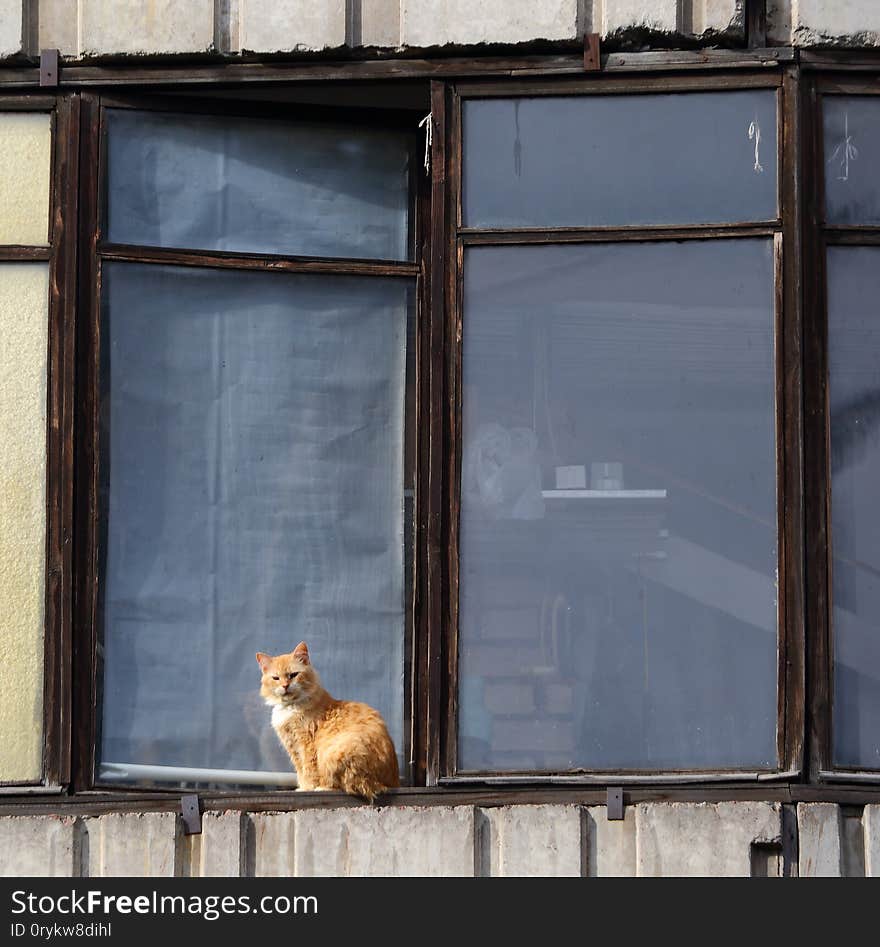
{"x": 851, "y": 136}
{"x": 257, "y": 186}
{"x": 611, "y": 160}
{"x": 854, "y": 377}
{"x": 618, "y": 601}
{"x": 253, "y": 433}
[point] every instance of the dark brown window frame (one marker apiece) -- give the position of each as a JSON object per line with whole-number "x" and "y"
{"x": 820, "y": 235}
{"x": 97, "y": 250}
{"x": 784, "y": 231}
{"x": 807, "y": 729}
{"x": 60, "y": 254}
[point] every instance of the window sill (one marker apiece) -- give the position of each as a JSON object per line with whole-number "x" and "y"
{"x": 100, "y": 803}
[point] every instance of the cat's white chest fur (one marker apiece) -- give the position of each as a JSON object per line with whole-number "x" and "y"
{"x": 281, "y": 714}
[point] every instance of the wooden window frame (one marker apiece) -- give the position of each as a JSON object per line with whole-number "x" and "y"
{"x": 95, "y": 251}
{"x": 819, "y": 235}
{"x": 804, "y": 654}
{"x": 785, "y": 233}
{"x": 60, "y": 254}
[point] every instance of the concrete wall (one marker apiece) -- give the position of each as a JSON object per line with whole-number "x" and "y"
{"x": 90, "y": 28}
{"x": 653, "y": 839}
{"x": 24, "y": 299}
{"x": 719, "y": 839}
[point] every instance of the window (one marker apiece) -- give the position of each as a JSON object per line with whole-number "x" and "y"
{"x": 845, "y": 354}
{"x": 561, "y": 450}
{"x": 619, "y": 534}
{"x": 37, "y": 168}
{"x": 253, "y": 464}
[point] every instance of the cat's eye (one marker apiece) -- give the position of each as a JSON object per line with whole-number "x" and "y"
{"x": 274, "y": 678}
{"x": 295, "y": 674}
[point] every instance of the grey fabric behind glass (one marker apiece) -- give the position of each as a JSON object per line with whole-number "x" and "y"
{"x": 253, "y": 426}
{"x": 851, "y": 133}
{"x": 854, "y": 375}
{"x": 618, "y": 629}
{"x": 611, "y": 160}
{"x": 255, "y": 186}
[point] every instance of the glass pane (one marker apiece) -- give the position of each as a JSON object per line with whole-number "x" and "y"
{"x": 25, "y": 160}
{"x": 854, "y": 373}
{"x": 618, "y": 531}
{"x": 852, "y": 148}
{"x": 253, "y": 426}
{"x": 611, "y": 160}
{"x": 24, "y": 300}
{"x": 254, "y": 186}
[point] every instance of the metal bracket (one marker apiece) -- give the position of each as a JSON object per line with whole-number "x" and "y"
{"x": 192, "y": 816}
{"x": 592, "y": 53}
{"x": 49, "y": 68}
{"x": 615, "y": 804}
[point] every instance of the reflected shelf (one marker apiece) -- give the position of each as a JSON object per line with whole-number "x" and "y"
{"x": 603, "y": 494}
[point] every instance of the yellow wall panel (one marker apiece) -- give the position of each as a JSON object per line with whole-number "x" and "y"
{"x": 25, "y": 162}
{"x": 24, "y": 293}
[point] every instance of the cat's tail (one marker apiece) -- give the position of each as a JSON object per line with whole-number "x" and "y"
{"x": 367, "y": 783}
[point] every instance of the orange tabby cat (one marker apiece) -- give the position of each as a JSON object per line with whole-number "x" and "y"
{"x": 333, "y": 744}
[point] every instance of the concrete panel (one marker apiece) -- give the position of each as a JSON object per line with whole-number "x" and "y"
{"x": 24, "y": 301}
{"x": 856, "y": 22}
{"x": 271, "y": 844}
{"x": 441, "y": 22}
{"x": 59, "y": 26}
{"x": 10, "y": 27}
{"x": 871, "y": 821}
{"x": 657, "y": 15}
{"x": 611, "y": 846}
{"x": 434, "y": 842}
{"x": 816, "y": 22}
{"x": 96, "y": 27}
{"x": 25, "y": 161}
{"x": 379, "y": 23}
{"x": 39, "y": 846}
{"x": 703, "y": 839}
{"x": 718, "y": 16}
{"x": 220, "y": 854}
{"x": 819, "y": 840}
{"x": 132, "y": 844}
{"x": 269, "y": 26}
{"x": 134, "y": 27}
{"x": 531, "y": 841}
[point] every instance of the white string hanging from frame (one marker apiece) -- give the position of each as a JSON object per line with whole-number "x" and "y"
{"x": 429, "y": 134}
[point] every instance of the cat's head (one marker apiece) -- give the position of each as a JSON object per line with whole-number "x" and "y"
{"x": 288, "y": 679}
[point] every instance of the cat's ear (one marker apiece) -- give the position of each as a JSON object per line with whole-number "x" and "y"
{"x": 263, "y": 660}
{"x": 301, "y": 653}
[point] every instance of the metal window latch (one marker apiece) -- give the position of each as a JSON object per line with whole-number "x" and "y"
{"x": 615, "y": 804}
{"x": 49, "y": 68}
{"x": 592, "y": 53}
{"x": 192, "y": 816}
